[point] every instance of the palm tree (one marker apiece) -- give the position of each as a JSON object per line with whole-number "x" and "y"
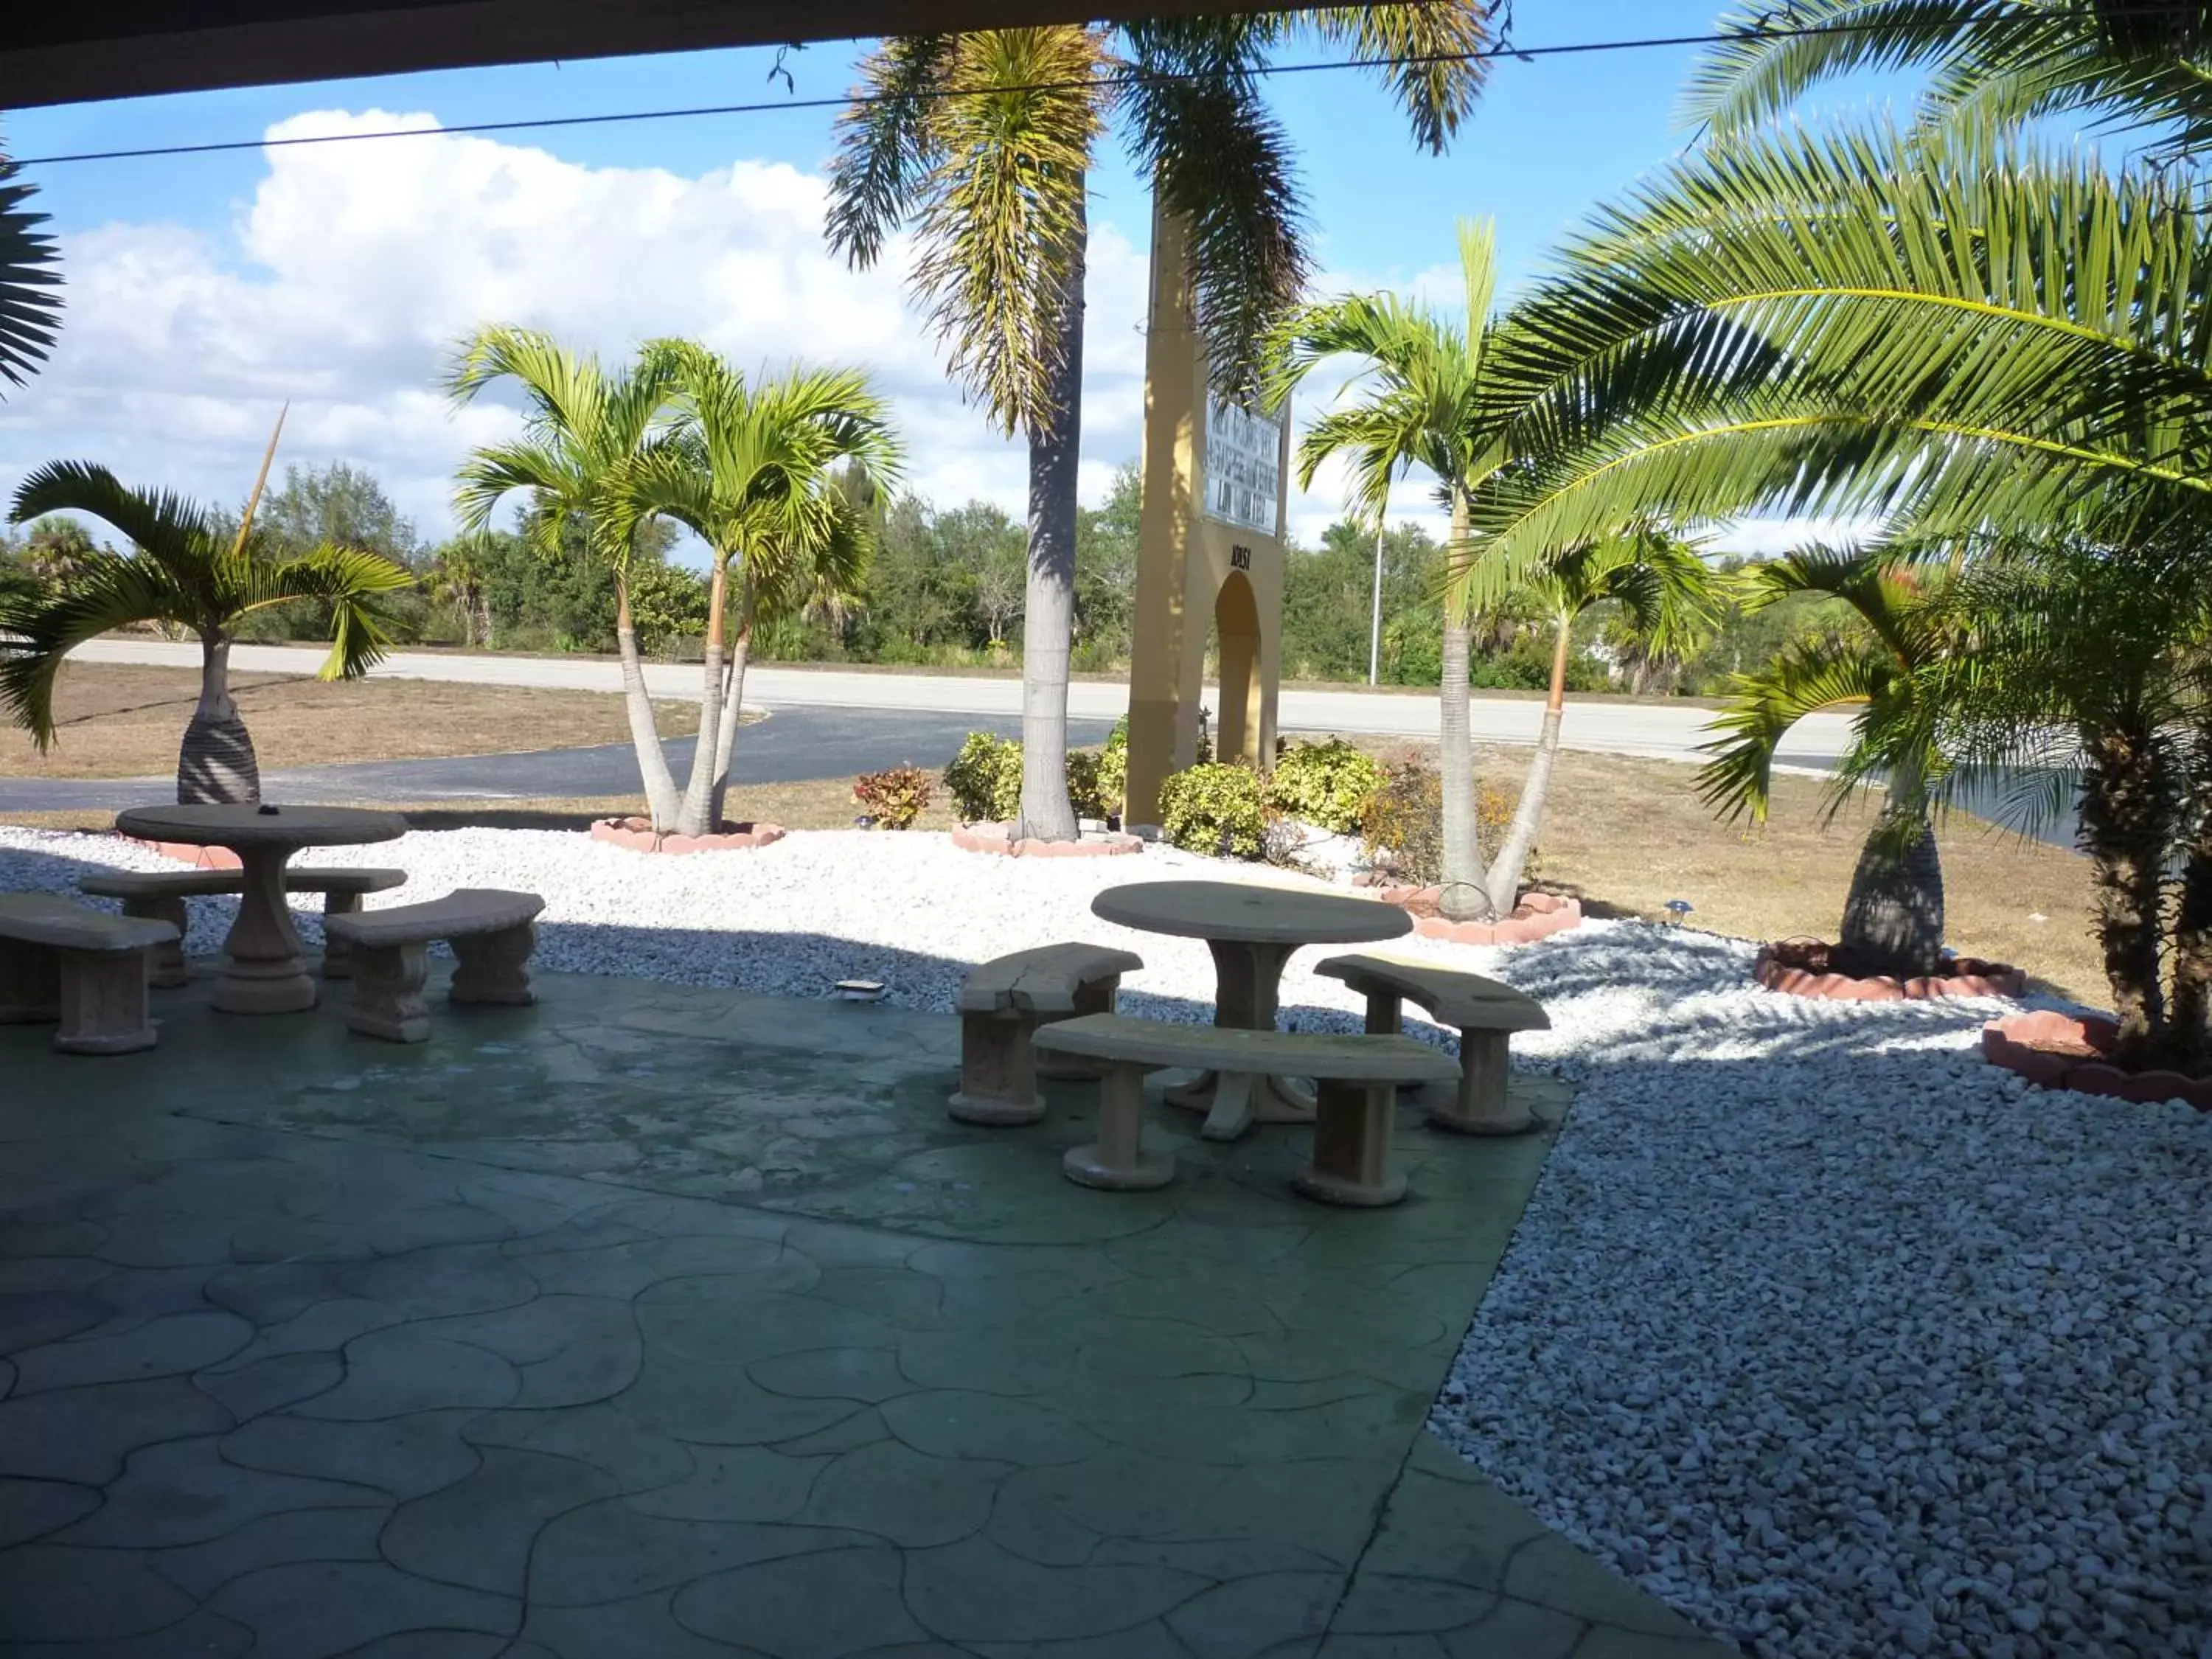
{"x": 1664, "y": 589}
{"x": 1894, "y": 914}
{"x": 1431, "y": 399}
{"x": 585, "y": 428}
{"x": 182, "y": 571}
{"x": 985, "y": 140}
{"x": 457, "y": 578}
{"x": 758, "y": 472}
{"x": 2124, "y": 62}
{"x": 30, "y": 305}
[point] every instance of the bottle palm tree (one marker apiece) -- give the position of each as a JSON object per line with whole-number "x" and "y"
{"x": 767, "y": 474}
{"x": 585, "y": 430}
{"x": 1431, "y": 398}
{"x": 1664, "y": 589}
{"x": 183, "y": 571}
{"x": 984, "y": 140}
{"x": 1893, "y": 919}
{"x": 30, "y": 304}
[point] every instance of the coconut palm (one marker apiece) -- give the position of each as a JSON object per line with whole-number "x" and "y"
{"x": 184, "y": 571}
{"x": 1664, "y": 590}
{"x": 1894, "y": 914}
{"x": 2123, "y": 63}
{"x": 760, "y": 473}
{"x": 585, "y": 427}
{"x": 30, "y": 304}
{"x": 1428, "y": 396}
{"x": 984, "y": 141}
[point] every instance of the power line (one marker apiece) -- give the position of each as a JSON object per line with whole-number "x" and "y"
{"x": 1487, "y": 54}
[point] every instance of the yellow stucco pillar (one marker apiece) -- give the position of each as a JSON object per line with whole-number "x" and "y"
{"x": 1210, "y": 551}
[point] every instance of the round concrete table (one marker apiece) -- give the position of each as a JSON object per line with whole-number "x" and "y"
{"x": 1252, "y": 930}
{"x": 263, "y": 973}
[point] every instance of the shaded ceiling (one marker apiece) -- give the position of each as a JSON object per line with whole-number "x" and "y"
{"x": 56, "y": 53}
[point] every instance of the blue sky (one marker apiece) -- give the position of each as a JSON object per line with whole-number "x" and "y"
{"x": 206, "y": 290}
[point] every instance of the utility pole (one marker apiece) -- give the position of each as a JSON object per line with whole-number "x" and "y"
{"x": 1375, "y": 629}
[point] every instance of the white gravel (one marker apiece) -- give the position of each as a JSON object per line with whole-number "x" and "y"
{"x": 1838, "y": 1339}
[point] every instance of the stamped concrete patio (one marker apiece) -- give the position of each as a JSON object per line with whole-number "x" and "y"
{"x": 660, "y": 1322}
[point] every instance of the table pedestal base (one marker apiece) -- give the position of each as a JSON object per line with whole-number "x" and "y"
{"x": 1234, "y": 1100}
{"x": 264, "y": 971}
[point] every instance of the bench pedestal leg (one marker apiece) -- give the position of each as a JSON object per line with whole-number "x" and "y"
{"x": 104, "y": 1003}
{"x": 388, "y": 994}
{"x": 337, "y": 953}
{"x": 1117, "y": 1160}
{"x": 165, "y": 963}
{"x": 1352, "y": 1147}
{"x": 1482, "y": 1105}
{"x": 998, "y": 1071}
{"x": 493, "y": 968}
{"x": 1097, "y": 998}
{"x": 30, "y": 983}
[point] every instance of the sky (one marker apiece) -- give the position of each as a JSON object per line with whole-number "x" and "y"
{"x": 206, "y": 292}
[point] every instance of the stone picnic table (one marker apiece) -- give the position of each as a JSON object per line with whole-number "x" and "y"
{"x": 263, "y": 969}
{"x": 1252, "y": 929}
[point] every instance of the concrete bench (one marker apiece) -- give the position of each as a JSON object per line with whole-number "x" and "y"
{"x": 60, "y": 960}
{"x": 1001, "y": 1007}
{"x": 1484, "y": 1012}
{"x": 1356, "y": 1098}
{"x": 160, "y": 895}
{"x": 492, "y": 933}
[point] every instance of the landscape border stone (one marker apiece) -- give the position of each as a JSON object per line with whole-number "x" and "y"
{"x": 995, "y": 838}
{"x": 2055, "y": 1050}
{"x": 638, "y": 836}
{"x": 203, "y": 858}
{"x": 1977, "y": 979}
{"x": 1538, "y": 915}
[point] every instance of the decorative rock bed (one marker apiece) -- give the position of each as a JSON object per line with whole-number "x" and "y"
{"x": 998, "y": 838}
{"x": 2070, "y": 1051}
{"x": 1814, "y": 968}
{"x": 639, "y": 836}
{"x": 1538, "y": 915}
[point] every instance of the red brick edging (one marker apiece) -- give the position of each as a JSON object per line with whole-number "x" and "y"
{"x": 1538, "y": 915}
{"x": 1975, "y": 979}
{"x": 2062, "y": 1051}
{"x": 203, "y": 858}
{"x": 993, "y": 838}
{"x": 638, "y": 836}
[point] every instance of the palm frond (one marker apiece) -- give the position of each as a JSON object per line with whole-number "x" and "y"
{"x": 886, "y": 144}
{"x": 41, "y": 626}
{"x": 1809, "y": 677}
{"x": 1425, "y": 52}
{"x": 30, "y": 281}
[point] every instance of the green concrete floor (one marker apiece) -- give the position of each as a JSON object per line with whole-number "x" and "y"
{"x": 663, "y": 1321}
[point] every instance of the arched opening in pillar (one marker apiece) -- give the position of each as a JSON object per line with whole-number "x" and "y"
{"x": 1236, "y": 648}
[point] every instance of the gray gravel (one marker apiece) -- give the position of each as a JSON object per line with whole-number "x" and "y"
{"x": 1823, "y": 1331}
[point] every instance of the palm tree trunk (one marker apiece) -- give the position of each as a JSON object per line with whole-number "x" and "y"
{"x": 1048, "y": 619}
{"x": 733, "y": 704}
{"x": 217, "y": 766}
{"x": 2123, "y": 822}
{"x": 1466, "y": 896}
{"x": 2192, "y": 1010}
{"x": 660, "y": 802}
{"x": 1893, "y": 912}
{"x": 693, "y": 818}
{"x": 1505, "y": 869}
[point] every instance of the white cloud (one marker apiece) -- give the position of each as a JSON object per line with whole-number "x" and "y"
{"x": 342, "y": 284}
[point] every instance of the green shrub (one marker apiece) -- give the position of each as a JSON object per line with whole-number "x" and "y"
{"x": 1087, "y": 787}
{"x": 986, "y": 779}
{"x": 1114, "y": 766}
{"x": 1325, "y": 783}
{"x": 895, "y": 796}
{"x": 1218, "y": 811}
{"x": 1402, "y": 824}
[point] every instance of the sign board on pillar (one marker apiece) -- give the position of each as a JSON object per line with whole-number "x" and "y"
{"x": 1209, "y": 552}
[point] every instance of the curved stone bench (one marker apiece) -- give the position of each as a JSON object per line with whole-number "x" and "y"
{"x": 1001, "y": 1006}
{"x": 1356, "y": 1098}
{"x": 492, "y": 933}
{"x": 60, "y": 960}
{"x": 1484, "y": 1012}
{"x": 160, "y": 895}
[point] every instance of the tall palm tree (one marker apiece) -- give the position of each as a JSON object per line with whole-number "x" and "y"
{"x": 1429, "y": 396}
{"x": 984, "y": 141}
{"x": 1664, "y": 589}
{"x": 30, "y": 303}
{"x": 182, "y": 570}
{"x": 759, "y": 472}
{"x": 585, "y": 427}
{"x": 1894, "y": 914}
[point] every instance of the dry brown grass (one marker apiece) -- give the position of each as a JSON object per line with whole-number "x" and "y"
{"x": 119, "y": 720}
